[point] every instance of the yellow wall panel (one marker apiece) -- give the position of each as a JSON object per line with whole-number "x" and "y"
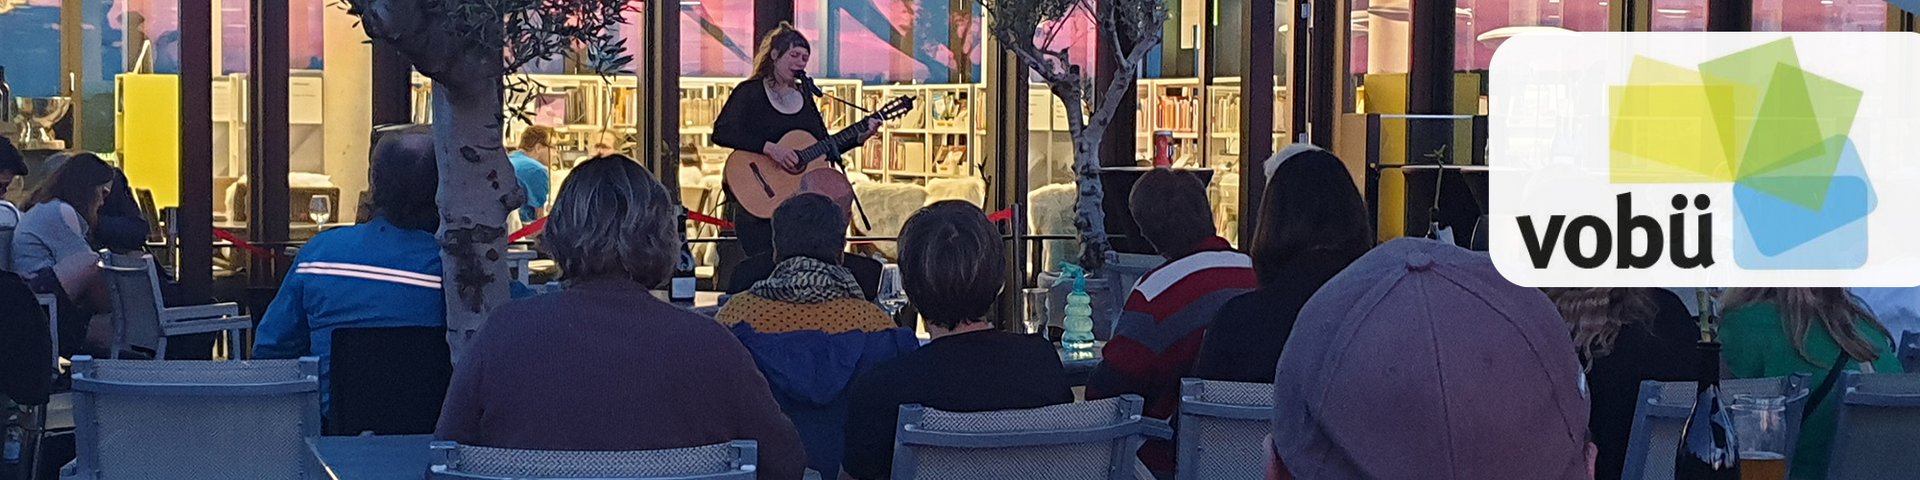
{"x": 147, "y": 118}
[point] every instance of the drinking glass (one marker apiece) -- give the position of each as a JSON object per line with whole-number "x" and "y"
{"x": 1039, "y": 312}
{"x": 320, "y": 209}
{"x": 891, "y": 297}
{"x": 1760, "y": 427}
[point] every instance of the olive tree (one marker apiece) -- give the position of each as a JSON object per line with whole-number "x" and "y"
{"x": 1027, "y": 27}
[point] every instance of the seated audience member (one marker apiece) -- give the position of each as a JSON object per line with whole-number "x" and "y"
{"x": 807, "y": 289}
{"x": 602, "y": 364}
{"x": 122, "y": 228}
{"x": 1167, "y": 314}
{"x": 1821, "y": 332}
{"x": 952, "y": 266}
{"x": 1421, "y": 361}
{"x": 866, "y": 270}
{"x": 1312, "y": 224}
{"x": 53, "y": 250}
{"x": 384, "y": 273}
{"x": 810, "y": 329}
{"x": 1625, "y": 336}
{"x": 12, "y": 166}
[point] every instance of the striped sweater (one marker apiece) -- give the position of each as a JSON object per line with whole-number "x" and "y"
{"x": 1158, "y": 338}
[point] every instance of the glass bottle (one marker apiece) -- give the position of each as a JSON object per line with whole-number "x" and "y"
{"x": 1708, "y": 449}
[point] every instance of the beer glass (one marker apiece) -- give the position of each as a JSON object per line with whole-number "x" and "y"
{"x": 1760, "y": 425}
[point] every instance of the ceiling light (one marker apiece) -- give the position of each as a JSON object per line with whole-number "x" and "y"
{"x": 1674, "y": 11}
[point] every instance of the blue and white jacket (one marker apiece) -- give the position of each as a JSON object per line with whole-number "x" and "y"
{"x": 366, "y": 276}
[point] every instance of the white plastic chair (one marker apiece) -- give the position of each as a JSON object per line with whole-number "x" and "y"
{"x": 140, "y": 318}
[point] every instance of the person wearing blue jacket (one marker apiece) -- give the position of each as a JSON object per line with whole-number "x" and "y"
{"x": 384, "y": 273}
{"x": 810, "y": 329}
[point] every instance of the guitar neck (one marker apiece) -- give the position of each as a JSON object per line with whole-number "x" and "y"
{"x": 831, "y": 145}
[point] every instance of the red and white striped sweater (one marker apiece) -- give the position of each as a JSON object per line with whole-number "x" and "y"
{"x": 1161, "y": 328}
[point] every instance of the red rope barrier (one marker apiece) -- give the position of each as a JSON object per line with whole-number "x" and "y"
{"x": 242, "y": 244}
{"x": 529, "y": 230}
{"x": 1000, "y": 216}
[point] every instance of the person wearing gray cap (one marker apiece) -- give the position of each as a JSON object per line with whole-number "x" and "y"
{"x": 1421, "y": 361}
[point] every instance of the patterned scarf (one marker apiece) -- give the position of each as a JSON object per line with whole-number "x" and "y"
{"x": 806, "y": 280}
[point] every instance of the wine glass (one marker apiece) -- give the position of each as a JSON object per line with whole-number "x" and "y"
{"x": 320, "y": 209}
{"x": 891, "y": 297}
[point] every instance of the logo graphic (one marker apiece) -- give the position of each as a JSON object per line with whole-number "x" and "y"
{"x": 1776, "y": 131}
{"x": 1706, "y": 159}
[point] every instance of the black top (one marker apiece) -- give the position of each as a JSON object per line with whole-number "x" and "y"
{"x": 1662, "y": 349}
{"x": 759, "y": 267}
{"x": 748, "y": 121}
{"x": 1246, "y": 338}
{"x": 969, "y": 372}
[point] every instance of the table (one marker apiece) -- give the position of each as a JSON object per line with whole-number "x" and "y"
{"x": 374, "y": 457}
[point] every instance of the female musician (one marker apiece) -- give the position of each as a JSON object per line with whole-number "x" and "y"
{"x": 762, "y": 109}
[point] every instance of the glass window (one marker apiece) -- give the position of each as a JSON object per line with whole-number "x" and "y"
{"x": 1819, "y": 16}
{"x": 716, "y": 38}
{"x": 930, "y": 41}
{"x": 1679, "y": 15}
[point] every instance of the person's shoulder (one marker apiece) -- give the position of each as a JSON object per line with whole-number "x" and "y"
{"x": 747, "y": 85}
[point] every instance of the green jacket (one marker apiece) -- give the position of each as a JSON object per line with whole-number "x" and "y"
{"x": 1756, "y": 346}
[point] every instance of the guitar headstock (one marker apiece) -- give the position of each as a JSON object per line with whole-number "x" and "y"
{"x": 894, "y": 109}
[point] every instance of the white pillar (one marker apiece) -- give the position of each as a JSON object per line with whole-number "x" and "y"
{"x": 347, "y": 111}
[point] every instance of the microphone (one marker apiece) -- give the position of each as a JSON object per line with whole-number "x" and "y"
{"x": 807, "y": 85}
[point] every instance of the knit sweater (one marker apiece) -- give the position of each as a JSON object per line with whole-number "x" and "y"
{"x": 1161, "y": 329}
{"x": 833, "y": 316}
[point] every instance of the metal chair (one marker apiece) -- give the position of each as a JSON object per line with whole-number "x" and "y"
{"x": 1909, "y": 351}
{"x": 1222, "y": 425}
{"x": 195, "y": 419}
{"x": 1095, "y": 439}
{"x": 738, "y": 459}
{"x": 1663, "y": 409}
{"x": 389, "y": 381}
{"x": 140, "y": 318}
{"x": 1878, "y": 424}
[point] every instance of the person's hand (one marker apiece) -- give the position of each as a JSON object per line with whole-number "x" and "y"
{"x": 782, "y": 155}
{"x": 873, "y": 129}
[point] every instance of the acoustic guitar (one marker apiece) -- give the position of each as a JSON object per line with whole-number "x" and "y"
{"x": 760, "y": 184}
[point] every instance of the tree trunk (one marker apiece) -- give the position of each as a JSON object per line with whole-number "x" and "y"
{"x": 1090, "y": 215}
{"x": 477, "y": 191}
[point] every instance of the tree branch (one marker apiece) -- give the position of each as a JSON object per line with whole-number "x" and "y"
{"x": 1110, "y": 104}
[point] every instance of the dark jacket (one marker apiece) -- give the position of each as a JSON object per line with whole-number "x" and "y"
{"x": 603, "y": 365}
{"x": 759, "y": 267}
{"x": 26, "y": 347}
{"x": 1660, "y": 348}
{"x": 1246, "y": 338}
{"x": 809, "y": 372}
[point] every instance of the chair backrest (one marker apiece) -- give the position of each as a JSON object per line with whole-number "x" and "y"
{"x": 389, "y": 381}
{"x": 1084, "y": 440}
{"x": 135, "y": 288}
{"x": 1663, "y": 410}
{"x": 738, "y": 459}
{"x": 1909, "y": 351}
{"x": 1222, "y": 425}
{"x": 1878, "y": 425}
{"x": 150, "y": 211}
{"x": 9, "y": 221}
{"x": 166, "y": 419}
